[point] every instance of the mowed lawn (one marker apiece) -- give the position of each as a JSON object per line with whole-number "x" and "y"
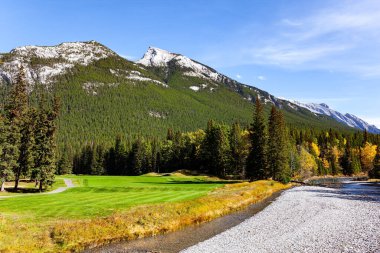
{"x": 102, "y": 195}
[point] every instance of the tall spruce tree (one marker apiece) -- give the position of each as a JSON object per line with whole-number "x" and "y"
{"x": 137, "y": 158}
{"x": 278, "y": 147}
{"x": 257, "y": 165}
{"x": 238, "y": 153}
{"x": 64, "y": 165}
{"x": 25, "y": 160}
{"x": 44, "y": 150}
{"x": 215, "y": 149}
{"x": 16, "y": 112}
{"x": 346, "y": 160}
{"x": 8, "y": 152}
{"x": 375, "y": 172}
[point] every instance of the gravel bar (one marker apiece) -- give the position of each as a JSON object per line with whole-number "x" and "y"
{"x": 305, "y": 219}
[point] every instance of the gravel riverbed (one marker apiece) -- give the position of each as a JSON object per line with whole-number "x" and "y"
{"x": 306, "y": 219}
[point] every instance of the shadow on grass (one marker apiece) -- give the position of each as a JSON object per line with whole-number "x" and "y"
{"x": 22, "y": 190}
{"x": 179, "y": 182}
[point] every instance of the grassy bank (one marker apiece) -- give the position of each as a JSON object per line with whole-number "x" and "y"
{"x": 100, "y": 212}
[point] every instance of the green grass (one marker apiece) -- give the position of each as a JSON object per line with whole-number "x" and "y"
{"x": 103, "y": 195}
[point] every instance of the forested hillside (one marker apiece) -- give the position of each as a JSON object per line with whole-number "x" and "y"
{"x": 104, "y": 95}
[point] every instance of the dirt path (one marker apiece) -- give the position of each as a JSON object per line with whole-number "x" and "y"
{"x": 68, "y": 182}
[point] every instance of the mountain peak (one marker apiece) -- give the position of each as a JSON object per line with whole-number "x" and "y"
{"x": 156, "y": 57}
{"x": 60, "y": 58}
{"x": 81, "y": 52}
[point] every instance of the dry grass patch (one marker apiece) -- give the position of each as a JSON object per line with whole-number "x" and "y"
{"x": 150, "y": 220}
{"x": 24, "y": 233}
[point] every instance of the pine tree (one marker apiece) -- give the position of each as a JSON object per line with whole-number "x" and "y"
{"x": 137, "y": 158}
{"x": 346, "y": 160}
{"x": 64, "y": 165}
{"x": 278, "y": 147}
{"x": 215, "y": 149}
{"x": 238, "y": 153}
{"x": 257, "y": 165}
{"x": 25, "y": 159}
{"x": 98, "y": 162}
{"x": 16, "y": 109}
{"x": 44, "y": 151}
{"x": 375, "y": 172}
{"x": 8, "y": 152}
{"x": 170, "y": 134}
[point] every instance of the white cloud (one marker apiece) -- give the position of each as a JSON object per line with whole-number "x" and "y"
{"x": 262, "y": 78}
{"x": 289, "y": 22}
{"x": 342, "y": 37}
{"x": 238, "y": 76}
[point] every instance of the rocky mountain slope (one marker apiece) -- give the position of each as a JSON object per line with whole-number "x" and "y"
{"x": 348, "y": 119}
{"x": 104, "y": 94}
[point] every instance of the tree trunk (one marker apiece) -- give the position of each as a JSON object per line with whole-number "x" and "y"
{"x": 17, "y": 180}
{"x": 2, "y": 185}
{"x": 40, "y": 186}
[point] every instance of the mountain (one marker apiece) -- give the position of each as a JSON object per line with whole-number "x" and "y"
{"x": 43, "y": 64}
{"x": 104, "y": 94}
{"x": 348, "y": 119}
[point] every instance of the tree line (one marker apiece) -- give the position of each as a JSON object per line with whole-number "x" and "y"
{"x": 267, "y": 149}
{"x": 27, "y": 136}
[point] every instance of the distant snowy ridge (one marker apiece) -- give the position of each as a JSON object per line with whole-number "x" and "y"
{"x": 348, "y": 119}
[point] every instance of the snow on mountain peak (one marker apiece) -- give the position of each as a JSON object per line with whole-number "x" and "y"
{"x": 73, "y": 52}
{"x": 156, "y": 57}
{"x": 348, "y": 119}
{"x": 59, "y": 58}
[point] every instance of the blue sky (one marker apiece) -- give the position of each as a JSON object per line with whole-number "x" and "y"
{"x": 310, "y": 51}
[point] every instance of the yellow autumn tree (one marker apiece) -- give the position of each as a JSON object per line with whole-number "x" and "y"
{"x": 314, "y": 149}
{"x": 367, "y": 155}
{"x": 308, "y": 165}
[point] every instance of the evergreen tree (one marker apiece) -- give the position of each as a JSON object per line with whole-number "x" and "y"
{"x": 170, "y": 134}
{"x": 25, "y": 159}
{"x": 44, "y": 151}
{"x": 346, "y": 160}
{"x": 120, "y": 157}
{"x": 216, "y": 149}
{"x": 8, "y": 152}
{"x": 238, "y": 153}
{"x": 64, "y": 165}
{"x": 98, "y": 161}
{"x": 257, "y": 165}
{"x": 16, "y": 109}
{"x": 137, "y": 158}
{"x": 278, "y": 152}
{"x": 375, "y": 172}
